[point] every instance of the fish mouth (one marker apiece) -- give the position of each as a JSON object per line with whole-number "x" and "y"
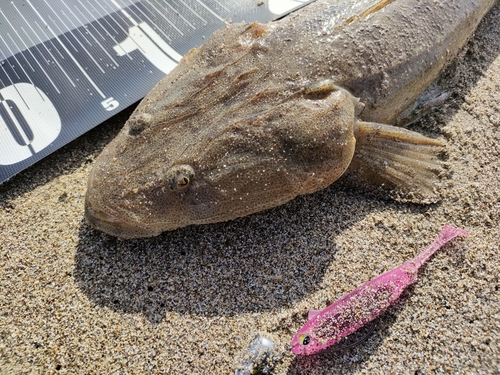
{"x": 114, "y": 226}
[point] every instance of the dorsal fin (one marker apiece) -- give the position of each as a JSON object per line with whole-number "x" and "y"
{"x": 312, "y": 313}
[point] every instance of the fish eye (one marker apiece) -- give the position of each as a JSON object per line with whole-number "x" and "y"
{"x": 304, "y": 339}
{"x": 179, "y": 177}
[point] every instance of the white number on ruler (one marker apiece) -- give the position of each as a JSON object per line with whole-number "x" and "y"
{"x": 142, "y": 37}
{"x": 29, "y": 122}
{"x": 109, "y": 103}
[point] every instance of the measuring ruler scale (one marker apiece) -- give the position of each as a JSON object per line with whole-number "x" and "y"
{"x": 68, "y": 65}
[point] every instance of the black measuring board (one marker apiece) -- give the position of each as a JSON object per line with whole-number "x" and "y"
{"x": 68, "y": 65}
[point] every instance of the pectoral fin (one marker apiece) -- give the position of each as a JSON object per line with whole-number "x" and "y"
{"x": 399, "y": 158}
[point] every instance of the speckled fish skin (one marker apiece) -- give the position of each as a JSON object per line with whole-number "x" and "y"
{"x": 327, "y": 327}
{"x": 260, "y": 114}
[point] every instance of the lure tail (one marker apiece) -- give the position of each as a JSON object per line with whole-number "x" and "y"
{"x": 447, "y": 234}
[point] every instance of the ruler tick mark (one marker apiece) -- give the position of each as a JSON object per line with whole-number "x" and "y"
{"x": 68, "y": 52}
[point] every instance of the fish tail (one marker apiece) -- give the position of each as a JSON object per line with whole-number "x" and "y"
{"x": 403, "y": 160}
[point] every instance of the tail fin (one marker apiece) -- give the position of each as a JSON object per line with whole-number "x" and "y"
{"x": 402, "y": 159}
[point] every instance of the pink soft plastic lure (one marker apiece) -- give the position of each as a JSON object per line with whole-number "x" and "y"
{"x": 327, "y": 327}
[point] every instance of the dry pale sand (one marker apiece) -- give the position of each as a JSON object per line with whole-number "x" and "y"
{"x": 73, "y": 300}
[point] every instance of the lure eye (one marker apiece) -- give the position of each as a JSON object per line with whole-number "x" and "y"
{"x": 180, "y": 177}
{"x": 304, "y": 339}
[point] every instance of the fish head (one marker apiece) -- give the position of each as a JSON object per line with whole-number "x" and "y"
{"x": 220, "y": 137}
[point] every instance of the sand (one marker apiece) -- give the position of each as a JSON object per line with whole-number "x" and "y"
{"x": 76, "y": 301}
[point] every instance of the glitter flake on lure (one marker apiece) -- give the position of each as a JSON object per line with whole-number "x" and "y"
{"x": 328, "y": 326}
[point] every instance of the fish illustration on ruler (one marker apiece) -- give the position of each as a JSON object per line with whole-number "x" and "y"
{"x": 328, "y": 326}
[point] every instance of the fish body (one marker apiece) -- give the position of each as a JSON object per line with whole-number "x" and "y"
{"x": 328, "y": 326}
{"x": 260, "y": 114}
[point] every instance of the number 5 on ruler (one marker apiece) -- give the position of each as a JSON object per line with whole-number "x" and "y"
{"x": 29, "y": 122}
{"x": 109, "y": 104}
